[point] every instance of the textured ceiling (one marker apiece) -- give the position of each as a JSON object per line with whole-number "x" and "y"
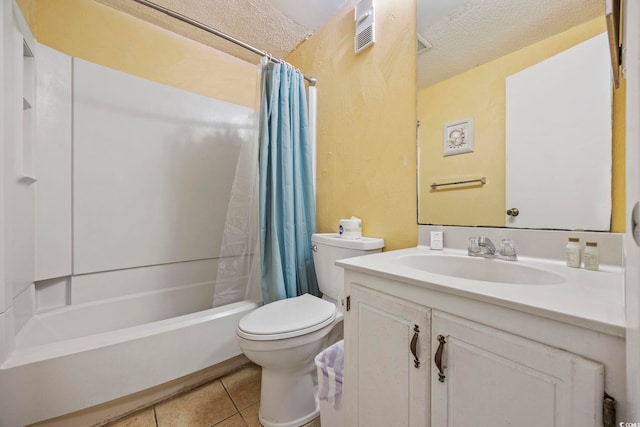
{"x": 464, "y": 33}
{"x": 274, "y": 26}
{"x": 467, "y": 33}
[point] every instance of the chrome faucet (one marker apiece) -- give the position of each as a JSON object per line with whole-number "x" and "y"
{"x": 487, "y": 248}
{"x": 484, "y": 247}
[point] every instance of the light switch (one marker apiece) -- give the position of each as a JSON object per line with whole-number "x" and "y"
{"x": 436, "y": 240}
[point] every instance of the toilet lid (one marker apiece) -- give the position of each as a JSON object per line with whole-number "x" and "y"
{"x": 288, "y": 317}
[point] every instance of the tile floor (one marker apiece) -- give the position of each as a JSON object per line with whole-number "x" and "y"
{"x": 231, "y": 401}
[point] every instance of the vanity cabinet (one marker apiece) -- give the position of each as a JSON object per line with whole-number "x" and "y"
{"x": 477, "y": 364}
{"x": 385, "y": 383}
{"x": 493, "y": 378}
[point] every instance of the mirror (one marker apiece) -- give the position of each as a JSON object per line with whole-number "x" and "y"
{"x": 467, "y": 50}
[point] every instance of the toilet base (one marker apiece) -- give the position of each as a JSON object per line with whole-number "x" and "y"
{"x": 294, "y": 423}
{"x": 289, "y": 397}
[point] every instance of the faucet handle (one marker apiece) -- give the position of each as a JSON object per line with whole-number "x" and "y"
{"x": 473, "y": 248}
{"x": 507, "y": 251}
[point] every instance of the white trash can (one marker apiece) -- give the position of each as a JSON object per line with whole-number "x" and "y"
{"x": 330, "y": 364}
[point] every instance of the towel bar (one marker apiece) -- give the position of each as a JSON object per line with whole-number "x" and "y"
{"x": 482, "y": 180}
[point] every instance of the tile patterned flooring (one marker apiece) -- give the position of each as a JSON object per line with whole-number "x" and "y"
{"x": 231, "y": 401}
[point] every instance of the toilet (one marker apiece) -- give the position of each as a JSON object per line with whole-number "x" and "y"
{"x": 284, "y": 337}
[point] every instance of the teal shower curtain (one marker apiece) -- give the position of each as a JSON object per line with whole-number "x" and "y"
{"x": 287, "y": 206}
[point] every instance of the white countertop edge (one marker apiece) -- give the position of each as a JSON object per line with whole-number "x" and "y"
{"x": 576, "y": 304}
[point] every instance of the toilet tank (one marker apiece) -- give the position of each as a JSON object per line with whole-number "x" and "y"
{"x": 327, "y": 249}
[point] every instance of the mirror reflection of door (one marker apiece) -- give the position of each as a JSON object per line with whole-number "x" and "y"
{"x": 559, "y": 112}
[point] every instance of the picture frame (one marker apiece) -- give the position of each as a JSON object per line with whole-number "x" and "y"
{"x": 458, "y": 137}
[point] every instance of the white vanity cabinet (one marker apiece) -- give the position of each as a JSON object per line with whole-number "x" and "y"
{"x": 385, "y": 384}
{"x": 500, "y": 366}
{"x": 492, "y": 378}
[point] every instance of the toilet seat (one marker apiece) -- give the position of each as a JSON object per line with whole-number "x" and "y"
{"x": 287, "y": 318}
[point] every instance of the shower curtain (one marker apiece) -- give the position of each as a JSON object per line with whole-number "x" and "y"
{"x": 238, "y": 272}
{"x": 287, "y": 206}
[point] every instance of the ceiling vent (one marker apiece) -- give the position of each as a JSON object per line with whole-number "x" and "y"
{"x": 365, "y": 25}
{"x": 423, "y": 44}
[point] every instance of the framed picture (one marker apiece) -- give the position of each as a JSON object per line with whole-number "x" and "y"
{"x": 458, "y": 137}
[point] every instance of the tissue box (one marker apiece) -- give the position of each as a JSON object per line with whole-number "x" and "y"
{"x": 350, "y": 228}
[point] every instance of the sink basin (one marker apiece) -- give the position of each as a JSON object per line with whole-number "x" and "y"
{"x": 486, "y": 270}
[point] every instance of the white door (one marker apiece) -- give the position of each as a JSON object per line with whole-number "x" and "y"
{"x": 383, "y": 384}
{"x": 558, "y": 113}
{"x": 632, "y": 250}
{"x": 492, "y": 378}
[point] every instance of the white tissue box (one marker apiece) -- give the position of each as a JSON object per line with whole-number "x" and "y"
{"x": 350, "y": 228}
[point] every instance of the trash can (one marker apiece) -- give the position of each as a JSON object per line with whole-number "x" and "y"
{"x": 330, "y": 364}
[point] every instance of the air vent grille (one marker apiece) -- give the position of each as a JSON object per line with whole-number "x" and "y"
{"x": 365, "y": 25}
{"x": 364, "y": 38}
{"x": 423, "y": 44}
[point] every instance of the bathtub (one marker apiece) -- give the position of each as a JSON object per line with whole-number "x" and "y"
{"x": 83, "y": 355}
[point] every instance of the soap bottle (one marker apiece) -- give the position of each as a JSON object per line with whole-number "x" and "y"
{"x": 573, "y": 252}
{"x": 591, "y": 256}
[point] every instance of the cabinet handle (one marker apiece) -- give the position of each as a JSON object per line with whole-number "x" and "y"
{"x": 438, "y": 358}
{"x": 414, "y": 345}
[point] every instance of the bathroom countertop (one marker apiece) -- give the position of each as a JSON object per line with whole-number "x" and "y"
{"x": 590, "y": 299}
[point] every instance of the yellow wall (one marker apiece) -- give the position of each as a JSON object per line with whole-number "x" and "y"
{"x": 28, "y": 7}
{"x": 97, "y": 33}
{"x": 366, "y": 114}
{"x": 366, "y": 123}
{"x": 366, "y": 102}
{"x": 480, "y": 93}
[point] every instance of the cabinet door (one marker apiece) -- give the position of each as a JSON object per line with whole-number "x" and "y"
{"x": 492, "y": 378}
{"x": 383, "y": 384}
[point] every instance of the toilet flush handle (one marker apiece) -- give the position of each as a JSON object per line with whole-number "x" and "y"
{"x": 314, "y": 248}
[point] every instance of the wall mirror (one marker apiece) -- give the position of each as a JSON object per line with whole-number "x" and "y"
{"x": 475, "y": 59}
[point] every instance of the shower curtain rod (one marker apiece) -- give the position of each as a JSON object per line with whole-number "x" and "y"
{"x": 312, "y": 80}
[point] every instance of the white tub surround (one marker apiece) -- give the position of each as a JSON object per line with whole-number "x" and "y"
{"x": 43, "y": 379}
{"x": 111, "y": 258}
{"x": 91, "y": 339}
{"x": 574, "y": 320}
